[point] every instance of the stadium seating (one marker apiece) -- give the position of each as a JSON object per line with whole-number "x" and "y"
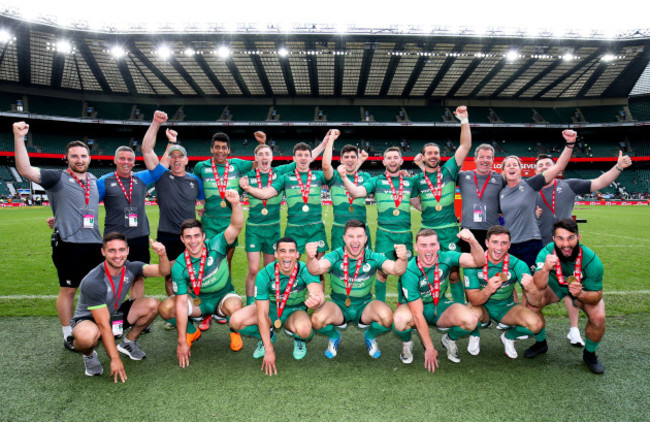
{"x": 55, "y": 106}
{"x": 640, "y": 111}
{"x": 249, "y": 113}
{"x": 296, "y": 113}
{"x": 342, "y": 113}
{"x": 112, "y": 111}
{"x": 204, "y": 113}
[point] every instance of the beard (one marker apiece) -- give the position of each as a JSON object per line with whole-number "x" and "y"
{"x": 572, "y": 257}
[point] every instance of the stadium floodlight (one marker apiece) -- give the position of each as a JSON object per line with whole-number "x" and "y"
{"x": 5, "y": 36}
{"x": 283, "y": 52}
{"x": 64, "y": 47}
{"x": 223, "y": 52}
{"x": 164, "y": 52}
{"x": 512, "y": 55}
{"x": 189, "y": 51}
{"x": 568, "y": 57}
{"x": 118, "y": 52}
{"x": 608, "y": 58}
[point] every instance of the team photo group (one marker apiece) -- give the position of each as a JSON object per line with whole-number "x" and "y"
{"x": 457, "y": 277}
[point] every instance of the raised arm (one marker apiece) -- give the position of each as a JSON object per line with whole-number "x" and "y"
{"x": 476, "y": 257}
{"x": 20, "y": 151}
{"x": 397, "y": 267}
{"x": 355, "y": 191}
{"x": 607, "y": 178}
{"x": 328, "y": 170}
{"x": 570, "y": 137}
{"x": 163, "y": 268}
{"x": 172, "y": 139}
{"x": 260, "y": 137}
{"x": 149, "y": 140}
{"x": 465, "y": 135}
{"x": 236, "y": 218}
{"x": 315, "y": 266}
{"x": 363, "y": 156}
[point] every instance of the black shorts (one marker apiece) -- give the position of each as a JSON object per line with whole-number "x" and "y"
{"x": 125, "y": 308}
{"x": 73, "y": 261}
{"x": 139, "y": 249}
{"x": 173, "y": 244}
{"x": 480, "y": 235}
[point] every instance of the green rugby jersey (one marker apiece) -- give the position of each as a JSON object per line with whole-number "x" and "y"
{"x": 340, "y": 202}
{"x": 386, "y": 204}
{"x": 473, "y": 278}
{"x": 265, "y": 284}
{"x": 592, "y": 269}
{"x": 413, "y": 284}
{"x": 361, "y": 289}
{"x": 237, "y": 169}
{"x": 447, "y": 216}
{"x": 288, "y": 183}
{"x": 255, "y": 216}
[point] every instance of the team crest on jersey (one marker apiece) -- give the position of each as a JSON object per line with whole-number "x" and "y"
{"x": 366, "y": 267}
{"x": 360, "y": 180}
{"x": 275, "y": 246}
{"x": 252, "y": 245}
{"x": 112, "y": 184}
{"x": 409, "y": 253}
{"x": 383, "y": 182}
{"x": 493, "y": 180}
{"x": 521, "y": 188}
{"x": 467, "y": 177}
{"x": 171, "y": 176}
{"x": 71, "y": 179}
{"x": 174, "y": 286}
{"x": 210, "y": 261}
{"x": 559, "y": 190}
{"x": 452, "y": 246}
{"x": 321, "y": 243}
{"x": 192, "y": 185}
{"x": 231, "y": 168}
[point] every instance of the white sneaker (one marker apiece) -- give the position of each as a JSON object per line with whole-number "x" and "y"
{"x": 452, "y": 349}
{"x": 574, "y": 337}
{"x": 503, "y": 327}
{"x": 407, "y": 352}
{"x": 474, "y": 345}
{"x": 509, "y": 345}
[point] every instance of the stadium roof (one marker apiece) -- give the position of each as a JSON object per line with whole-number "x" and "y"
{"x": 321, "y": 63}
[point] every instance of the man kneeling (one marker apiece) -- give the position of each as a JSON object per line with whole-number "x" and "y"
{"x": 102, "y": 311}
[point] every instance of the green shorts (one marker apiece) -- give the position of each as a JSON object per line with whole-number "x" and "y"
{"x": 308, "y": 233}
{"x": 211, "y": 303}
{"x": 337, "y": 237}
{"x": 447, "y": 237}
{"x": 214, "y": 226}
{"x": 432, "y": 312}
{"x": 560, "y": 291}
{"x": 288, "y": 310}
{"x": 353, "y": 312}
{"x": 386, "y": 241}
{"x": 497, "y": 310}
{"x": 262, "y": 238}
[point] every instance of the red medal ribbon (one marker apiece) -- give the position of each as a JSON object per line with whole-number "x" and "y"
{"x": 552, "y": 208}
{"x": 505, "y": 267}
{"x": 217, "y": 180}
{"x": 346, "y": 271}
{"x": 437, "y": 192}
{"x": 356, "y": 183}
{"x": 280, "y": 304}
{"x": 119, "y": 293}
{"x": 130, "y": 195}
{"x": 397, "y": 196}
{"x": 196, "y": 281}
{"x": 480, "y": 194}
{"x": 269, "y": 182}
{"x": 435, "y": 289}
{"x": 304, "y": 191}
{"x": 86, "y": 188}
{"x": 577, "y": 273}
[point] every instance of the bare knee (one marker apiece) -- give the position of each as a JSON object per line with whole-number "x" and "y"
{"x": 86, "y": 336}
{"x": 318, "y": 320}
{"x": 167, "y": 309}
{"x": 402, "y": 320}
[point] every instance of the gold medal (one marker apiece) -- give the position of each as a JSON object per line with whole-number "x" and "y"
{"x": 396, "y": 212}
{"x": 438, "y": 207}
{"x": 264, "y": 211}
{"x": 348, "y": 302}
{"x": 351, "y": 209}
{"x": 571, "y": 279}
{"x": 278, "y": 323}
{"x": 223, "y": 204}
{"x": 305, "y": 208}
{"x": 196, "y": 301}
{"x": 503, "y": 277}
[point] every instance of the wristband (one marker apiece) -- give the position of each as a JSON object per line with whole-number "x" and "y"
{"x": 464, "y": 120}
{"x": 618, "y": 168}
{"x": 570, "y": 145}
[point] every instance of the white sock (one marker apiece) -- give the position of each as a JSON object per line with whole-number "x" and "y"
{"x": 126, "y": 340}
{"x": 67, "y": 331}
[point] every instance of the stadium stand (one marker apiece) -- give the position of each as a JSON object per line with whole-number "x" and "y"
{"x": 112, "y": 111}
{"x": 248, "y": 113}
{"x": 55, "y": 106}
{"x": 207, "y": 113}
{"x": 342, "y": 113}
{"x": 296, "y": 113}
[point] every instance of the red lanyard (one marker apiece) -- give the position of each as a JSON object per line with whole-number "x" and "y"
{"x": 196, "y": 281}
{"x": 480, "y": 195}
{"x": 577, "y": 274}
{"x": 397, "y": 196}
{"x": 435, "y": 289}
{"x": 280, "y": 304}
{"x": 437, "y": 192}
{"x": 304, "y": 191}
{"x": 86, "y": 188}
{"x": 346, "y": 271}
{"x": 269, "y": 182}
{"x": 217, "y": 180}
{"x": 119, "y": 293}
{"x": 356, "y": 183}
{"x": 504, "y": 267}
{"x": 130, "y": 195}
{"x": 552, "y": 208}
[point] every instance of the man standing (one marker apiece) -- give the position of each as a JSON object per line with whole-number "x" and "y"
{"x": 491, "y": 288}
{"x": 103, "y": 311}
{"x": 76, "y": 242}
{"x": 567, "y": 268}
{"x": 556, "y": 200}
{"x": 352, "y": 270}
{"x": 284, "y": 291}
{"x": 393, "y": 193}
{"x": 201, "y": 281}
{"x": 422, "y": 296}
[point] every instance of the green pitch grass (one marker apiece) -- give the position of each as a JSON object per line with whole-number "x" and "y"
{"x": 43, "y": 382}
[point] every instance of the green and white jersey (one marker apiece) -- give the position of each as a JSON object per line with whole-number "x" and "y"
{"x": 288, "y": 183}
{"x": 236, "y": 169}
{"x": 591, "y": 269}
{"x": 430, "y": 217}
{"x": 517, "y": 268}
{"x": 386, "y": 203}
{"x": 341, "y": 204}
{"x": 216, "y": 276}
{"x": 361, "y": 289}
{"x": 273, "y": 205}
{"x": 265, "y": 284}
{"x": 413, "y": 284}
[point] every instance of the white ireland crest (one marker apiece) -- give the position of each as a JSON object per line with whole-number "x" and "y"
{"x": 210, "y": 260}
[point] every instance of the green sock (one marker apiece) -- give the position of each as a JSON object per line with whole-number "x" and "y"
{"x": 329, "y": 331}
{"x": 251, "y": 331}
{"x": 250, "y": 300}
{"x": 376, "y": 329}
{"x": 457, "y": 291}
{"x": 591, "y": 346}
{"x": 456, "y": 332}
{"x": 191, "y": 328}
{"x": 541, "y": 336}
{"x": 476, "y": 332}
{"x": 380, "y": 290}
{"x": 405, "y": 335}
{"x": 517, "y": 331}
